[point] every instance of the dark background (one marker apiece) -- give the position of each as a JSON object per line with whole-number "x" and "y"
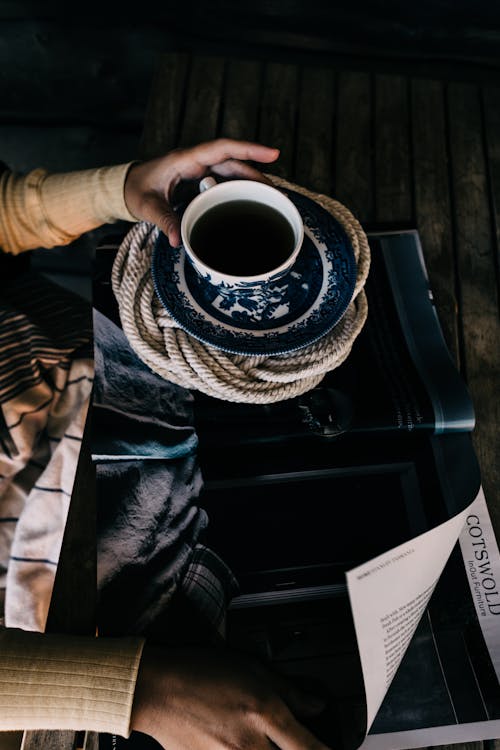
{"x": 75, "y": 78}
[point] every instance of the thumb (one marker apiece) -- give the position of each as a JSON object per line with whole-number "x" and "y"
{"x": 160, "y": 212}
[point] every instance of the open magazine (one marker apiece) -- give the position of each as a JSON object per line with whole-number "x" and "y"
{"x": 354, "y": 521}
{"x": 434, "y": 600}
{"x": 404, "y": 646}
{"x": 390, "y": 598}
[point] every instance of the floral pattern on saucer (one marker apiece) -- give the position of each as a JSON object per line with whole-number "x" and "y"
{"x": 277, "y": 318}
{"x": 265, "y": 306}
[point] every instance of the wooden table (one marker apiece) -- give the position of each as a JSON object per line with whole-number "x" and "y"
{"x": 396, "y": 150}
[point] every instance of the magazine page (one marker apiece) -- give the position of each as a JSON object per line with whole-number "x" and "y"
{"x": 482, "y": 565}
{"x": 388, "y": 596}
{"x": 447, "y": 688}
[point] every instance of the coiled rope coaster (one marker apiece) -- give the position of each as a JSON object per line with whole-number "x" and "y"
{"x": 176, "y": 356}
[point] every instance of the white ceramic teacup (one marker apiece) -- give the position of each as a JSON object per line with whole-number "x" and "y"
{"x": 215, "y": 194}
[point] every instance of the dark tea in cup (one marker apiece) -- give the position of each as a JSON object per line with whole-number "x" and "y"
{"x": 242, "y": 238}
{"x": 240, "y": 233}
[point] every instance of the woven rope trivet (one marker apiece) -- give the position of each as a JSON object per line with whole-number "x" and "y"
{"x": 182, "y": 359}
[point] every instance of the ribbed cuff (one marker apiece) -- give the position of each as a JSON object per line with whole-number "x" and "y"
{"x": 73, "y": 202}
{"x": 42, "y": 210}
{"x": 67, "y": 682}
{"x": 22, "y": 221}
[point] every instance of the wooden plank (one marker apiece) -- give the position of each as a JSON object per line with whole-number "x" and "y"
{"x": 491, "y": 98}
{"x": 10, "y": 740}
{"x": 353, "y": 158}
{"x": 432, "y": 201}
{"x": 314, "y": 162}
{"x": 478, "y": 291}
{"x": 91, "y": 741}
{"x": 241, "y": 99}
{"x": 161, "y": 124}
{"x": 49, "y": 740}
{"x": 203, "y": 99}
{"x": 278, "y": 114}
{"x": 393, "y": 196}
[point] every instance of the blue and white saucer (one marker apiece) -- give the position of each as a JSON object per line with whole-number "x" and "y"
{"x": 280, "y": 317}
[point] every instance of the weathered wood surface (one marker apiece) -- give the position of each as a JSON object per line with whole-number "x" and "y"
{"x": 242, "y": 99}
{"x": 354, "y": 154}
{"x": 278, "y": 114}
{"x": 491, "y": 98}
{"x": 160, "y": 132}
{"x": 202, "y": 100}
{"x": 475, "y": 245}
{"x": 49, "y": 740}
{"x": 395, "y": 150}
{"x": 432, "y": 201}
{"x": 393, "y": 184}
{"x": 315, "y": 124}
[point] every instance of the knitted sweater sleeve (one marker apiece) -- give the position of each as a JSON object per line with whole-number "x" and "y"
{"x": 44, "y": 210}
{"x": 67, "y": 682}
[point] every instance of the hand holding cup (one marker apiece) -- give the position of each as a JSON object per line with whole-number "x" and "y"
{"x": 149, "y": 185}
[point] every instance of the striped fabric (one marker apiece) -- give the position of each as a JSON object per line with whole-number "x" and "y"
{"x": 209, "y": 586}
{"x": 46, "y": 375}
{"x": 41, "y": 325}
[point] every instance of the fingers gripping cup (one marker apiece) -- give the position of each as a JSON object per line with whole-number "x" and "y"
{"x": 242, "y": 237}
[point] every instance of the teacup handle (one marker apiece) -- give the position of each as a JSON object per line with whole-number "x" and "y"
{"x": 206, "y": 183}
